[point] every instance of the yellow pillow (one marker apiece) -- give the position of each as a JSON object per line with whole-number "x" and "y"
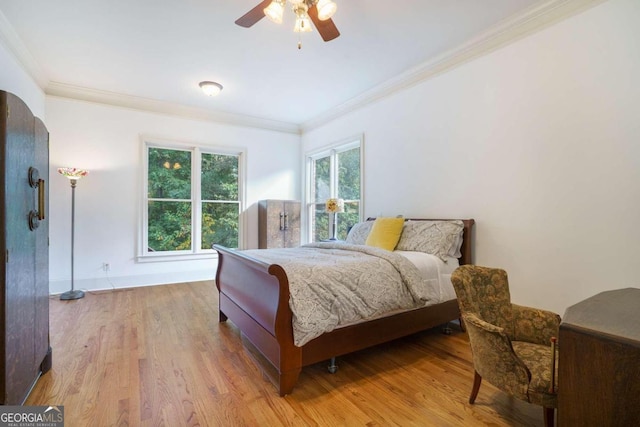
{"x": 385, "y": 233}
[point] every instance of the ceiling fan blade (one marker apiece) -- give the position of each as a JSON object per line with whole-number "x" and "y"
{"x": 327, "y": 29}
{"x": 254, "y": 15}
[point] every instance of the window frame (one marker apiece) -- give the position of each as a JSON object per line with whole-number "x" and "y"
{"x": 196, "y": 149}
{"x": 332, "y": 152}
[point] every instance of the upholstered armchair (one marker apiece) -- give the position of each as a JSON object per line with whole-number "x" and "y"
{"x": 511, "y": 344}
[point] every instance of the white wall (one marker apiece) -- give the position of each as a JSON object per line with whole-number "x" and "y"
{"x": 538, "y": 141}
{"x": 14, "y": 79}
{"x": 106, "y": 141}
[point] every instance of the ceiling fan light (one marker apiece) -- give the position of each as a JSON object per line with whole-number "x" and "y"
{"x": 274, "y": 11}
{"x": 326, "y": 9}
{"x": 303, "y": 25}
{"x": 211, "y": 88}
{"x": 303, "y": 22}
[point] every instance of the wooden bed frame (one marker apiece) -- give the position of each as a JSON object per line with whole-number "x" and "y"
{"x": 254, "y": 295}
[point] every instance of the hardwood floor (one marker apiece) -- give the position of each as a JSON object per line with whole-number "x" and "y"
{"x": 157, "y": 356}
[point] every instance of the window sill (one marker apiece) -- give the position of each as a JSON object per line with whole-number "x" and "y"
{"x": 176, "y": 257}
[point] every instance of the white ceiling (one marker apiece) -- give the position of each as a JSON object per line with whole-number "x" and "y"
{"x": 160, "y": 49}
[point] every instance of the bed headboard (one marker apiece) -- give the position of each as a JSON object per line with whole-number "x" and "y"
{"x": 466, "y": 249}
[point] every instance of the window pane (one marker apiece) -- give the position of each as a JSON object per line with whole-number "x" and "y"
{"x": 169, "y": 174}
{"x": 322, "y": 179}
{"x": 337, "y": 175}
{"x": 220, "y": 224}
{"x": 219, "y": 177}
{"x": 349, "y": 174}
{"x": 348, "y": 218}
{"x": 169, "y": 226}
{"x": 321, "y": 223}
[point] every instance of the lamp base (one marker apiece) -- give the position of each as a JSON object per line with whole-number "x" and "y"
{"x": 69, "y": 295}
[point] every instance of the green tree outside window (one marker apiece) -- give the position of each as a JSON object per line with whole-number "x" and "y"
{"x": 171, "y": 202}
{"x": 335, "y": 175}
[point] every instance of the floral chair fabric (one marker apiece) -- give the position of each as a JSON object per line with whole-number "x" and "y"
{"x": 510, "y": 344}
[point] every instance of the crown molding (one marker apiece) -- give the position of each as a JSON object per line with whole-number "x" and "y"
{"x": 79, "y": 93}
{"x": 10, "y": 39}
{"x": 534, "y": 19}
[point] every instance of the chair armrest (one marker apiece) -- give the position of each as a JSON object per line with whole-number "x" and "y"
{"x": 534, "y": 325}
{"x": 494, "y": 358}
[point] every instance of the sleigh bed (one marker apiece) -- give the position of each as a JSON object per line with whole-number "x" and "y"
{"x": 255, "y": 296}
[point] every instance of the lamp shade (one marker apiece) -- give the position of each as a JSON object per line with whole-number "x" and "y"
{"x": 334, "y": 205}
{"x": 326, "y": 9}
{"x": 73, "y": 173}
{"x": 274, "y": 11}
{"x": 302, "y": 25}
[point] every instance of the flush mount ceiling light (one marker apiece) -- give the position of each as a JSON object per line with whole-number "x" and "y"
{"x": 306, "y": 11}
{"x": 211, "y": 88}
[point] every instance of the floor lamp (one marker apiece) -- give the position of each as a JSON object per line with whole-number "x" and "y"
{"x": 74, "y": 175}
{"x": 334, "y": 207}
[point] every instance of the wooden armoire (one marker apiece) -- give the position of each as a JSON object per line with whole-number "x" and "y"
{"x": 278, "y": 224}
{"x": 24, "y": 236}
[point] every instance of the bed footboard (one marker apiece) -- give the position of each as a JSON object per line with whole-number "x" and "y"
{"x": 255, "y": 296}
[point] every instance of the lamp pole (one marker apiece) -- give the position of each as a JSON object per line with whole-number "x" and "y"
{"x": 72, "y": 294}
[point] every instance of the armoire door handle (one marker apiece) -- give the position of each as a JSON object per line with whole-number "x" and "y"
{"x": 41, "y": 199}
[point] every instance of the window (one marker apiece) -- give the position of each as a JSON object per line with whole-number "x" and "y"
{"x": 334, "y": 172}
{"x": 193, "y": 199}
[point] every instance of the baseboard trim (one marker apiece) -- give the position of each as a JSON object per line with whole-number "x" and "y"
{"x": 57, "y": 287}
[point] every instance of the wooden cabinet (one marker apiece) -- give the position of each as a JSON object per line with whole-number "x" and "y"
{"x": 24, "y": 241}
{"x": 278, "y": 224}
{"x": 599, "y": 366}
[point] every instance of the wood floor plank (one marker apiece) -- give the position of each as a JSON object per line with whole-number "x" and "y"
{"x": 158, "y": 356}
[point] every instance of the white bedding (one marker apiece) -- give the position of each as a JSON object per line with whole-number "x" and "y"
{"x": 436, "y": 272}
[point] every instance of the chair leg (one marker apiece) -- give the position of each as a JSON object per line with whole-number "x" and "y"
{"x": 548, "y": 417}
{"x": 477, "y": 379}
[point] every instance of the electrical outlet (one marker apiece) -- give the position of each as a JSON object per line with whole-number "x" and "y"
{"x": 106, "y": 266}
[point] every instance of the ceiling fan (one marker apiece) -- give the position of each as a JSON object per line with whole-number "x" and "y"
{"x": 318, "y": 11}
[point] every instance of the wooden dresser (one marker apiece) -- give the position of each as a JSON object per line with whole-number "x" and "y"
{"x": 599, "y": 366}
